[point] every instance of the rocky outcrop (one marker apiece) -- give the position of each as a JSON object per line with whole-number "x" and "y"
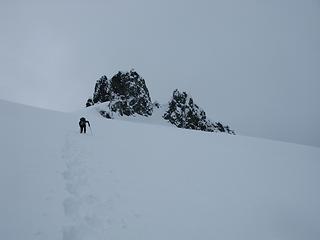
{"x": 184, "y": 113}
{"x": 126, "y": 93}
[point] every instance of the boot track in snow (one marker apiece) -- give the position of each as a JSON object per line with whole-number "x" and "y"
{"x": 86, "y": 213}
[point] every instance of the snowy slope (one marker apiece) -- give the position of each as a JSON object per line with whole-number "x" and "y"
{"x": 156, "y": 117}
{"x": 140, "y": 181}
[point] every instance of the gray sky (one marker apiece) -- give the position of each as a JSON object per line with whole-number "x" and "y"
{"x": 252, "y": 64}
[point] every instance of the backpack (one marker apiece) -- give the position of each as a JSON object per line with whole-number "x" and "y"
{"x": 82, "y": 121}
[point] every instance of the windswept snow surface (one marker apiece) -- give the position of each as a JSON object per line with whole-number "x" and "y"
{"x": 149, "y": 182}
{"x": 156, "y": 118}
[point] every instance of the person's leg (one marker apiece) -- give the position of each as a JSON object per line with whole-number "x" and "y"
{"x": 85, "y": 129}
{"x": 81, "y": 129}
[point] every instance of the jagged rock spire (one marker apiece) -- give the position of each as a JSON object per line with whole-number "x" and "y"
{"x": 184, "y": 113}
{"x": 127, "y": 93}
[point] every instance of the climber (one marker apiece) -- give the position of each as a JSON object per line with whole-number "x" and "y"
{"x": 82, "y": 124}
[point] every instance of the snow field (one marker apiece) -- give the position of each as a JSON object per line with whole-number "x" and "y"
{"x": 140, "y": 181}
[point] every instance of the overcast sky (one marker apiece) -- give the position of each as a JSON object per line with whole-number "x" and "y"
{"x": 254, "y": 65}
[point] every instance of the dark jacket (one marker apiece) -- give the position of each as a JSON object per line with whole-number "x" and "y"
{"x": 83, "y": 122}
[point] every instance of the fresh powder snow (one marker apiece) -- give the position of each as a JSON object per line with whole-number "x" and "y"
{"x": 142, "y": 181}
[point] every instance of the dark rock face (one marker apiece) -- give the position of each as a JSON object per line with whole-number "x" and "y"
{"x": 102, "y": 91}
{"x": 184, "y": 113}
{"x": 126, "y": 92}
{"x": 89, "y": 103}
{"x": 130, "y": 94}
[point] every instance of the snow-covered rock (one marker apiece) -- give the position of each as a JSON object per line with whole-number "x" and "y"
{"x": 126, "y": 93}
{"x": 184, "y": 113}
